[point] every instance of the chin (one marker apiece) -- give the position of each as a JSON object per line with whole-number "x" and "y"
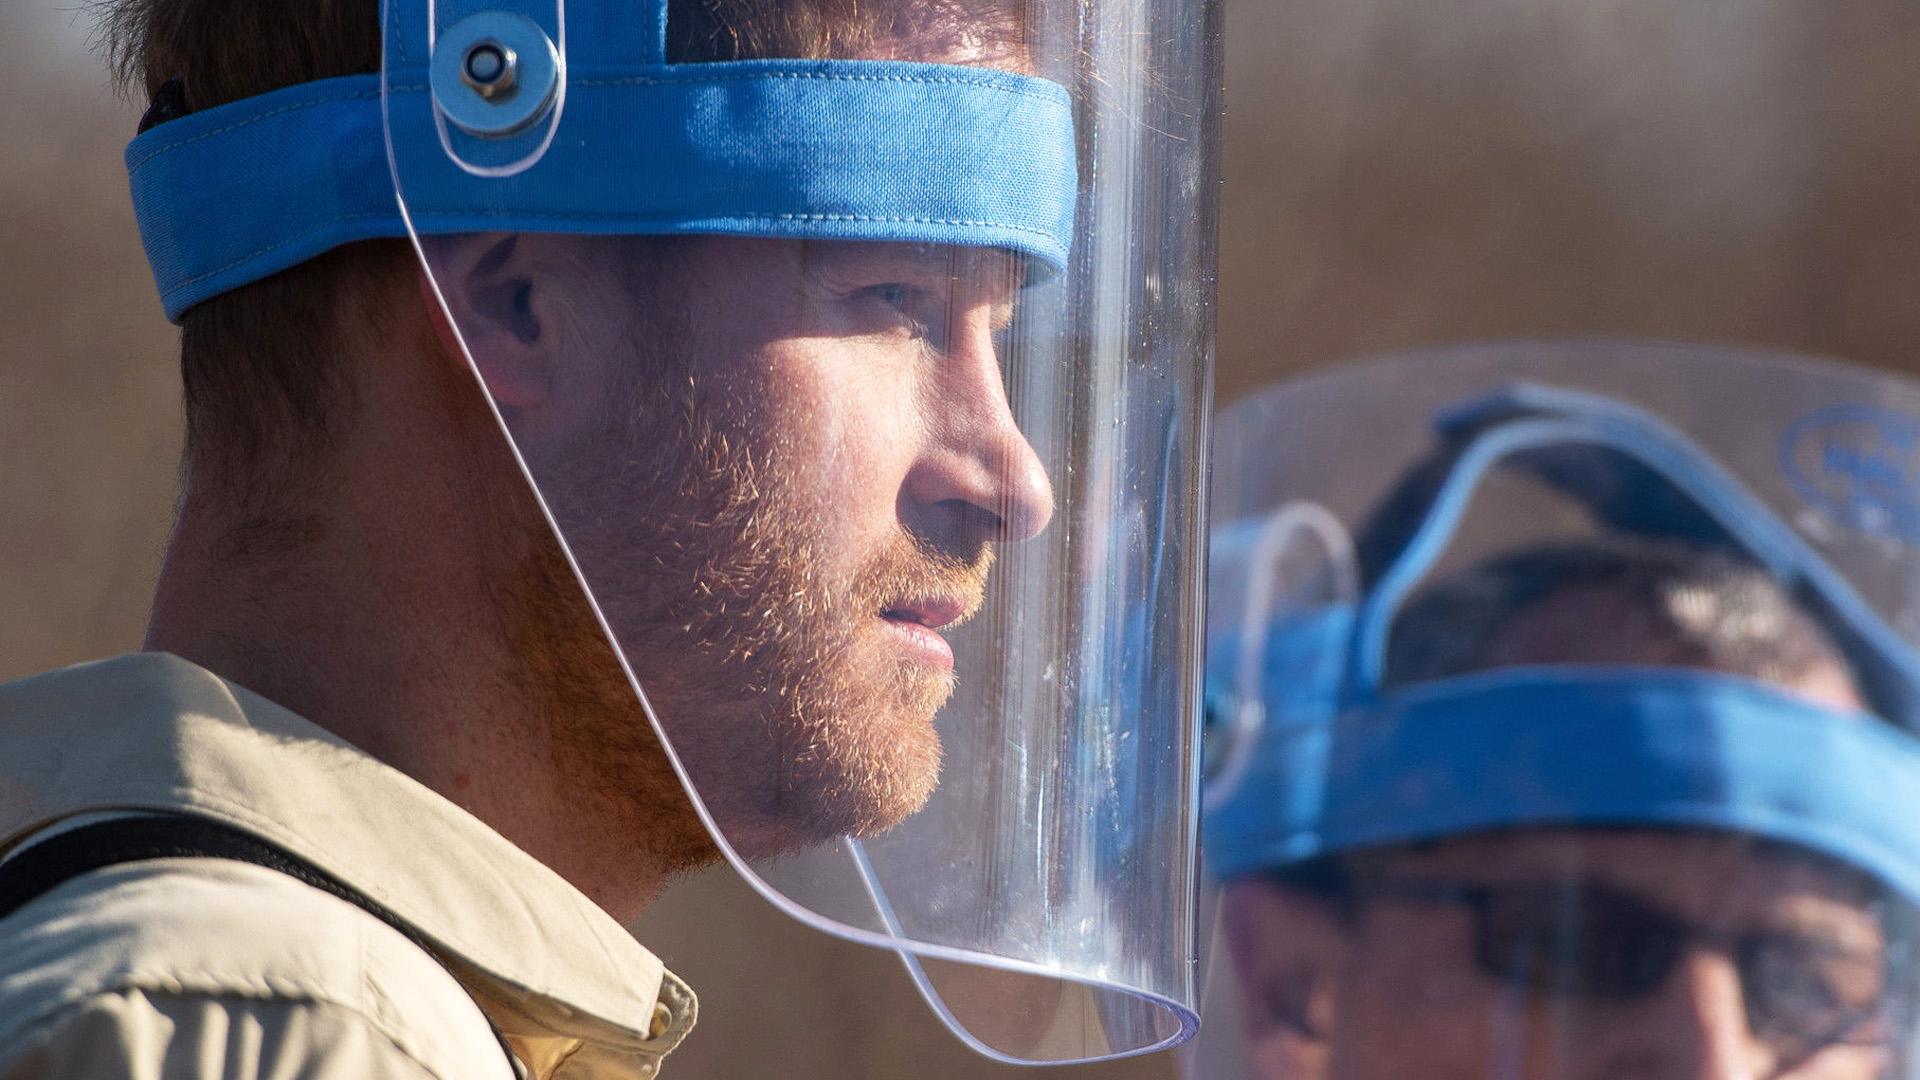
{"x": 872, "y": 760}
{"x": 903, "y": 783}
{"x": 878, "y": 766}
{"x": 851, "y": 750}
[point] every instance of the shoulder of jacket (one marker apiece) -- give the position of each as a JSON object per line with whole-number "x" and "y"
{"x": 121, "y": 1035}
{"x": 222, "y": 931}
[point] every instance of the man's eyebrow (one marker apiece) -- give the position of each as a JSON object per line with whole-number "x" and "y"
{"x": 1009, "y": 265}
{"x": 923, "y": 260}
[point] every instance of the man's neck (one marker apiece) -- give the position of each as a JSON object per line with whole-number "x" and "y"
{"x": 371, "y": 614}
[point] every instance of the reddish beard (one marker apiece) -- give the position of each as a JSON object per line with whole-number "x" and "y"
{"x": 765, "y": 659}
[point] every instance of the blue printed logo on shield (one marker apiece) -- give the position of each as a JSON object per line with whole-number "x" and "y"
{"x": 1860, "y": 465}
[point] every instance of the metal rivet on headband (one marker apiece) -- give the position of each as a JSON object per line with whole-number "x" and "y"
{"x": 494, "y": 74}
{"x": 490, "y": 69}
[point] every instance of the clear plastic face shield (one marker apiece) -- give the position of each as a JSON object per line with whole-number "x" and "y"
{"x": 1562, "y": 719}
{"x": 859, "y": 357}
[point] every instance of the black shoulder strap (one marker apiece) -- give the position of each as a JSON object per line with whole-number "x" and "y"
{"x": 43, "y": 865}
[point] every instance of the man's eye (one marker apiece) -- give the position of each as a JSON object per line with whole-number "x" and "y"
{"x": 901, "y": 306}
{"x": 892, "y": 294}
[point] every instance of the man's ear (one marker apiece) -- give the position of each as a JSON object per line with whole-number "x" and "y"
{"x": 1287, "y": 947}
{"x": 495, "y": 298}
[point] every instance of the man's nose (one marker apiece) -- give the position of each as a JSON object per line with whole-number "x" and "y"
{"x": 1697, "y": 1023}
{"x": 978, "y": 479}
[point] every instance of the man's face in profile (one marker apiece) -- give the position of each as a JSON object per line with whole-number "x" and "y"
{"x": 781, "y": 467}
{"x": 792, "y": 490}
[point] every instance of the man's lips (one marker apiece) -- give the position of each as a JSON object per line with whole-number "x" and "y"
{"x": 918, "y": 623}
{"x": 931, "y": 613}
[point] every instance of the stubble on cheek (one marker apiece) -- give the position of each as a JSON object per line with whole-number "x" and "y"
{"x": 755, "y": 626}
{"x": 711, "y": 520}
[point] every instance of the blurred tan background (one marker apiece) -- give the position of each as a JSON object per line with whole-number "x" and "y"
{"x": 1397, "y": 174}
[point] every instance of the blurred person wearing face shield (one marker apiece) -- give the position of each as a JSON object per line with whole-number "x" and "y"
{"x": 1571, "y": 759}
{"x": 1432, "y": 940}
{"x": 604, "y": 424}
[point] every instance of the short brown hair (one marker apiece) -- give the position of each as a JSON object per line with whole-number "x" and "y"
{"x": 261, "y": 366}
{"x": 1705, "y": 608}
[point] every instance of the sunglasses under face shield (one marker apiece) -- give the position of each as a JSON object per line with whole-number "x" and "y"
{"x": 1591, "y": 944}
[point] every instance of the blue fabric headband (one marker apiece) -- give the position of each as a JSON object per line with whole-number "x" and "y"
{"x": 1339, "y": 764}
{"x": 835, "y": 149}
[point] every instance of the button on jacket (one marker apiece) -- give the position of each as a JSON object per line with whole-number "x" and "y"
{"x": 181, "y": 969}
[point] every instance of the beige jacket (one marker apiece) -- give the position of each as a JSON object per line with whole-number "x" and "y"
{"x": 182, "y": 969}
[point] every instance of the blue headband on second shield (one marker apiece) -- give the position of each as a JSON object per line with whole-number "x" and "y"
{"x": 817, "y": 149}
{"x": 1341, "y": 763}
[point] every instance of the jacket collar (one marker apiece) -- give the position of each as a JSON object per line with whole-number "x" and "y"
{"x": 150, "y": 731}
